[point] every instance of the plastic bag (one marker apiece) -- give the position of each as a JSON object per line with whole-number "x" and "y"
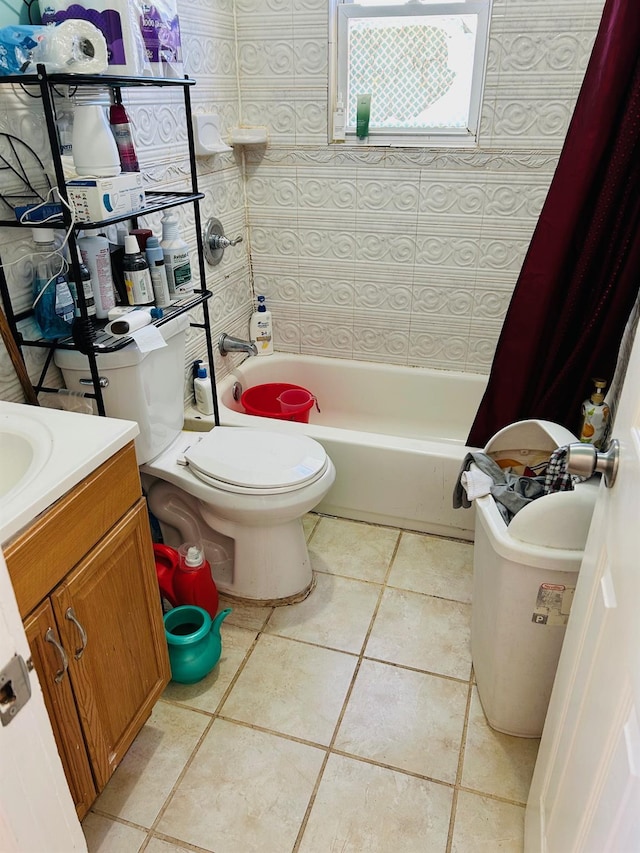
{"x": 71, "y": 47}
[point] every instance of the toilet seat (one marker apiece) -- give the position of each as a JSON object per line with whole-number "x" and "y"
{"x": 256, "y": 462}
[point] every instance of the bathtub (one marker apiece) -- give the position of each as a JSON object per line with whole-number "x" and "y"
{"x": 395, "y": 434}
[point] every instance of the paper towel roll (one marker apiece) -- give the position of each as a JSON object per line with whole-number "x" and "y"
{"x": 73, "y": 47}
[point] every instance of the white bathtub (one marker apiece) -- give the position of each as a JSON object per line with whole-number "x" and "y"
{"x": 395, "y": 434}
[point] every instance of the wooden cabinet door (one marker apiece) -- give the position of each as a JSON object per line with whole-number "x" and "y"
{"x": 121, "y": 669}
{"x": 42, "y": 634}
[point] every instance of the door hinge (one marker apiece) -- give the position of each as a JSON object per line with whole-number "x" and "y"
{"x": 15, "y": 687}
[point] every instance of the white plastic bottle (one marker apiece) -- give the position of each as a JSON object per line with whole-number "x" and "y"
{"x": 203, "y": 392}
{"x": 97, "y": 258}
{"x": 260, "y": 328}
{"x": 176, "y": 258}
{"x": 93, "y": 145}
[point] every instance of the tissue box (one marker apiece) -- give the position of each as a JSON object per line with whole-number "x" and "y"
{"x": 95, "y": 199}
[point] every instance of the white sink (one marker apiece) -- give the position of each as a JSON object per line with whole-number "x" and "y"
{"x": 44, "y": 453}
{"x": 25, "y": 446}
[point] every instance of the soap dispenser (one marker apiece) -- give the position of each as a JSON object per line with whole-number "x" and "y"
{"x": 595, "y": 416}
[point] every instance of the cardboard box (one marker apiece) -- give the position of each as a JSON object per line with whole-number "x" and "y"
{"x": 96, "y": 199}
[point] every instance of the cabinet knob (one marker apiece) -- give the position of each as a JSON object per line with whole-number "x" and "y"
{"x": 71, "y": 616}
{"x": 50, "y": 637}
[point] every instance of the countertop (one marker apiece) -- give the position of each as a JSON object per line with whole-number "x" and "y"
{"x": 68, "y": 447}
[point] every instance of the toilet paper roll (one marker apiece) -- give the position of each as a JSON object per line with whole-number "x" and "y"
{"x": 73, "y": 47}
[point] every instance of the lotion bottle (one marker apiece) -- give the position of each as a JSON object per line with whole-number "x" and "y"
{"x": 203, "y": 392}
{"x": 595, "y": 416}
{"x": 260, "y": 328}
{"x": 97, "y": 257}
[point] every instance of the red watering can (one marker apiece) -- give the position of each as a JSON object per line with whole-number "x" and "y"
{"x": 184, "y": 577}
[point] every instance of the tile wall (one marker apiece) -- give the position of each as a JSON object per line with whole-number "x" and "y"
{"x": 400, "y": 256}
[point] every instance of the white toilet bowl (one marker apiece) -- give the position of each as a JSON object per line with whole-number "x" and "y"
{"x": 243, "y": 492}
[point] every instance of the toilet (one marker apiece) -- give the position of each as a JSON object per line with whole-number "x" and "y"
{"x": 241, "y": 491}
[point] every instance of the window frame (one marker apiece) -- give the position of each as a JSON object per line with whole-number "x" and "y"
{"x": 341, "y": 11}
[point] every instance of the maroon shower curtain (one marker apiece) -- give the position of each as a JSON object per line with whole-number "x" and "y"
{"x": 581, "y": 274}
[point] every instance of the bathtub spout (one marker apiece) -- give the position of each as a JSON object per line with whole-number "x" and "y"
{"x": 227, "y": 343}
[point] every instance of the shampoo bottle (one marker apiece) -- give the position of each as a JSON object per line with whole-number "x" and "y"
{"x": 137, "y": 278}
{"x": 176, "y": 258}
{"x": 119, "y": 121}
{"x": 96, "y": 255}
{"x": 595, "y": 416}
{"x": 155, "y": 259}
{"x": 203, "y": 392}
{"x": 260, "y": 329}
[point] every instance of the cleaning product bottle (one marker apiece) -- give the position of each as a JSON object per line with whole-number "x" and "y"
{"x": 176, "y": 258}
{"x": 155, "y": 259}
{"x": 52, "y": 300}
{"x": 595, "y": 416}
{"x": 93, "y": 146}
{"x": 94, "y": 249}
{"x": 121, "y": 128}
{"x": 260, "y": 329}
{"x": 193, "y": 582}
{"x": 136, "y": 273}
{"x": 203, "y": 392}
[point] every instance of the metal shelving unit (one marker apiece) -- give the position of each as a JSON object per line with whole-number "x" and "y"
{"x": 90, "y": 344}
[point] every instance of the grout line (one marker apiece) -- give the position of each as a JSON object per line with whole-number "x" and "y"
{"x": 463, "y": 742}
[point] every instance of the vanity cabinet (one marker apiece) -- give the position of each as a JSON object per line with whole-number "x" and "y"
{"x": 84, "y": 576}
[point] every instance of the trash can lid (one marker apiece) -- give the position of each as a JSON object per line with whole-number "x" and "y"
{"x": 532, "y": 434}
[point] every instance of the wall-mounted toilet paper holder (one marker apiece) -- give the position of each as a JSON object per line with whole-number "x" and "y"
{"x": 215, "y": 242}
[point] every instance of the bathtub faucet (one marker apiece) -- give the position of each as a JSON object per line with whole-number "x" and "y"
{"x": 227, "y": 343}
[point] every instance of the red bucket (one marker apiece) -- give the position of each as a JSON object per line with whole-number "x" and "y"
{"x": 263, "y": 400}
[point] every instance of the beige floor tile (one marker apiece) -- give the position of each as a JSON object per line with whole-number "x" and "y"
{"x": 435, "y": 566}
{"x": 292, "y": 688}
{"x": 108, "y": 836}
{"x": 409, "y": 720}
{"x": 422, "y": 632}
{"x": 336, "y": 614}
{"x": 142, "y": 782}
{"x": 495, "y": 763}
{"x": 206, "y": 694}
{"x": 361, "y": 808}
{"x": 249, "y": 616}
{"x": 309, "y": 522}
{"x": 159, "y": 845}
{"x": 352, "y": 549}
{"x": 245, "y": 792}
{"x": 483, "y": 825}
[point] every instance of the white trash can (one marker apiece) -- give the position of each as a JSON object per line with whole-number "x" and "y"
{"x": 524, "y": 577}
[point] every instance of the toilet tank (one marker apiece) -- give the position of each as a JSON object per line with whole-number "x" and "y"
{"x": 147, "y": 387}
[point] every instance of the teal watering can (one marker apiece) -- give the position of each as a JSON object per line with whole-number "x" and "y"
{"x": 194, "y": 642}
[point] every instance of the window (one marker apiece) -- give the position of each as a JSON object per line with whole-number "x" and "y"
{"x": 422, "y": 63}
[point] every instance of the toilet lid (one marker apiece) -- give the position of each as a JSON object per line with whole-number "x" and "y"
{"x": 256, "y": 459}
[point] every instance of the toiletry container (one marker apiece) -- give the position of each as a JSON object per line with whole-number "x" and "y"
{"x": 595, "y": 416}
{"x": 52, "y": 300}
{"x": 203, "y": 392}
{"x": 260, "y": 328}
{"x": 158, "y": 271}
{"x": 176, "y": 258}
{"x": 137, "y": 278}
{"x": 94, "y": 148}
{"x": 524, "y": 577}
{"x": 121, "y": 128}
{"x": 184, "y": 576}
{"x": 95, "y": 252}
{"x": 87, "y": 289}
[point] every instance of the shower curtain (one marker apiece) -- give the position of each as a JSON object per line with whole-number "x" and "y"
{"x": 581, "y": 274}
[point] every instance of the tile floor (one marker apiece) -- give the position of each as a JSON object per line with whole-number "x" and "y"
{"x": 348, "y": 723}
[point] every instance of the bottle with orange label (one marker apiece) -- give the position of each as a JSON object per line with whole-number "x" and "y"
{"x": 595, "y": 416}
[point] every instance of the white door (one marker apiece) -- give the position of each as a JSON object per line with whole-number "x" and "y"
{"x": 36, "y": 809}
{"x": 585, "y": 793}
